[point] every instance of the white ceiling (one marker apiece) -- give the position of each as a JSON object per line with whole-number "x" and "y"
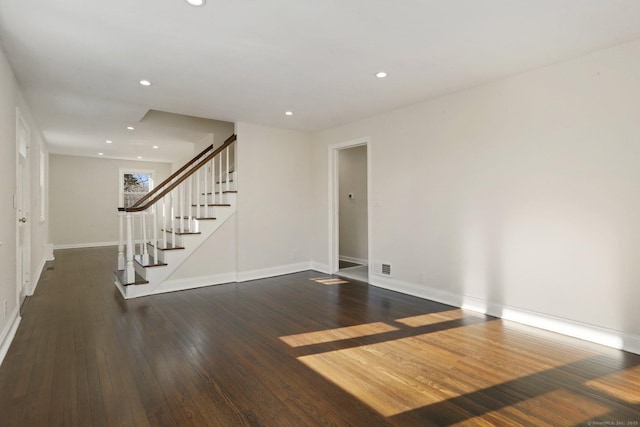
{"x": 78, "y": 62}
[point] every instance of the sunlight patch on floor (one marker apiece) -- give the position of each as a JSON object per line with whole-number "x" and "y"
{"x": 623, "y": 385}
{"x": 432, "y": 318}
{"x": 400, "y": 375}
{"x": 337, "y": 334}
{"x": 329, "y": 280}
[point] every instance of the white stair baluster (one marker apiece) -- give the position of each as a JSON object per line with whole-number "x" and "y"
{"x": 198, "y": 193}
{"x": 173, "y": 218}
{"x": 181, "y": 206}
{"x": 190, "y": 224}
{"x": 213, "y": 184}
{"x": 164, "y": 221}
{"x": 220, "y": 176}
{"x": 227, "y": 150}
{"x": 205, "y": 198}
{"x": 235, "y": 165}
{"x": 155, "y": 233}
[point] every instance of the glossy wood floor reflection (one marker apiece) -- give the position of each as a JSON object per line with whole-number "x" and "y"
{"x": 295, "y": 350}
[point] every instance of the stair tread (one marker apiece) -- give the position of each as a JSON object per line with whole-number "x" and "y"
{"x": 217, "y": 192}
{"x": 200, "y": 218}
{"x": 139, "y": 280}
{"x": 169, "y": 247}
{"x": 150, "y": 262}
{"x": 205, "y": 218}
{"x": 180, "y": 233}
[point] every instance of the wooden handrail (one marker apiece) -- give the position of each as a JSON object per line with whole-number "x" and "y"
{"x": 137, "y": 208}
{"x": 176, "y": 173}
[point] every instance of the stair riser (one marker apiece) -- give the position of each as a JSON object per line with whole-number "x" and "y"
{"x": 174, "y": 258}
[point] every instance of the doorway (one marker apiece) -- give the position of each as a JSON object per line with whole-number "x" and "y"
{"x": 23, "y": 209}
{"x": 349, "y": 211}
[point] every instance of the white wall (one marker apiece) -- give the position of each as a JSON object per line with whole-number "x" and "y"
{"x": 84, "y": 197}
{"x": 522, "y": 193}
{"x": 268, "y": 235}
{"x": 216, "y": 256}
{"x": 352, "y": 167}
{"x": 10, "y": 98}
{"x": 274, "y": 200}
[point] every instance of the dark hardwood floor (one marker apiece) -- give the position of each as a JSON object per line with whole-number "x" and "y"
{"x": 292, "y": 351}
{"x": 346, "y": 264}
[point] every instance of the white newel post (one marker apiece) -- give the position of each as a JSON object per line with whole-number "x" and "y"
{"x": 121, "y": 242}
{"x": 130, "y": 271}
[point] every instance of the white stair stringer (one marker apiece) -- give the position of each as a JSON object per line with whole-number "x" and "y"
{"x": 157, "y": 275}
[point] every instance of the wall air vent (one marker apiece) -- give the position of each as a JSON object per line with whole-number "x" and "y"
{"x": 386, "y": 269}
{"x": 382, "y": 268}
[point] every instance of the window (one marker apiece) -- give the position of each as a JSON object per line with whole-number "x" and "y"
{"x": 134, "y": 184}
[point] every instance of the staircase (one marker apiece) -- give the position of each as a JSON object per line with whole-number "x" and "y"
{"x": 162, "y": 229}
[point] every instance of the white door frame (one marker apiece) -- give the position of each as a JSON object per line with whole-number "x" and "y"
{"x": 24, "y": 286}
{"x": 334, "y": 204}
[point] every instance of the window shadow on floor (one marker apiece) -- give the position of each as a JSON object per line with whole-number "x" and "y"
{"x": 566, "y": 378}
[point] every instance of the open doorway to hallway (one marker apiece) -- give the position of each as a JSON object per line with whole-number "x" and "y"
{"x": 351, "y": 227}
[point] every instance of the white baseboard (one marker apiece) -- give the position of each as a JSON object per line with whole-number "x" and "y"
{"x": 9, "y": 332}
{"x": 322, "y": 268}
{"x": 273, "y": 271}
{"x": 36, "y": 276}
{"x": 596, "y": 334}
{"x": 352, "y": 259}
{"x": 85, "y": 245}
{"x": 195, "y": 282}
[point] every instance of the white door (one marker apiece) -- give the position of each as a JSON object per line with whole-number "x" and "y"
{"x": 23, "y": 211}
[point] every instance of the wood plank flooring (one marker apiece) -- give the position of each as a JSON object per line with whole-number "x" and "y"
{"x": 292, "y": 351}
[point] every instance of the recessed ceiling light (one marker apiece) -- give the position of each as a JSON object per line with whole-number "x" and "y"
{"x": 108, "y": 141}
{"x": 139, "y": 157}
{"x": 381, "y": 75}
{"x": 100, "y": 154}
{"x": 289, "y": 113}
{"x": 130, "y": 127}
{"x": 196, "y": 2}
{"x": 145, "y": 82}
{"x": 156, "y": 147}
